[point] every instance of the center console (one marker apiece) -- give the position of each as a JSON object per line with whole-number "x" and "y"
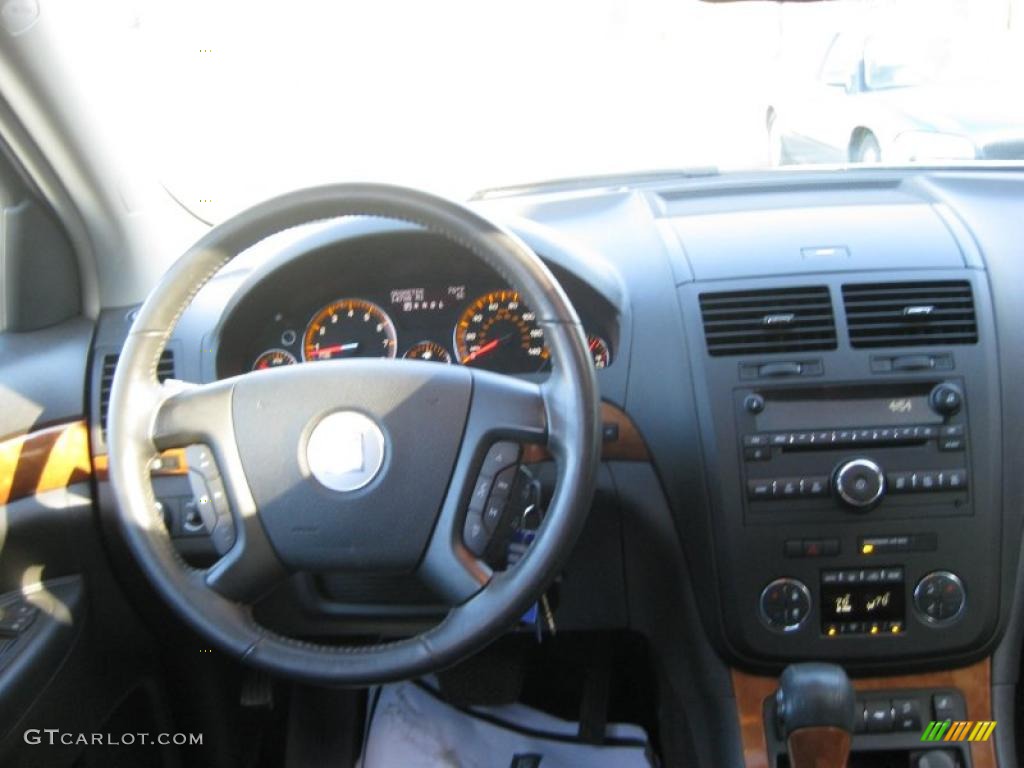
{"x": 854, "y": 478}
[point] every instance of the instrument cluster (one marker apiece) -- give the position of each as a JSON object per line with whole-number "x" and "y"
{"x": 446, "y": 323}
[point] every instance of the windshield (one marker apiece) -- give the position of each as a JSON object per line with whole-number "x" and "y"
{"x": 244, "y": 100}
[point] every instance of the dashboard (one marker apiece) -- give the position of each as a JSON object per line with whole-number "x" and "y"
{"x": 819, "y": 372}
{"x": 817, "y": 375}
{"x": 378, "y": 298}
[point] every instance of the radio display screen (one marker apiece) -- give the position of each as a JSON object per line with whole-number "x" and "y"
{"x": 862, "y": 602}
{"x": 785, "y": 414}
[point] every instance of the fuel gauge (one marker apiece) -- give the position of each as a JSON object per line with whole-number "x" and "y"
{"x": 428, "y": 350}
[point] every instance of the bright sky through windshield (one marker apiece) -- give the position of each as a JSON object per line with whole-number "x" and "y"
{"x": 238, "y": 101}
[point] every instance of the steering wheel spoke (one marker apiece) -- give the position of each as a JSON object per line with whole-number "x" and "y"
{"x": 504, "y": 412}
{"x": 200, "y": 415}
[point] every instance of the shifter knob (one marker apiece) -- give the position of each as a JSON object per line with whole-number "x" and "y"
{"x": 815, "y": 712}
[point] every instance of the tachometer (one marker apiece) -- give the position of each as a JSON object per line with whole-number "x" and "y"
{"x": 273, "y": 358}
{"x": 499, "y": 333}
{"x": 349, "y": 328}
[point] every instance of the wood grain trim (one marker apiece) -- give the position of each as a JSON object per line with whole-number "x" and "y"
{"x": 974, "y": 682}
{"x": 628, "y": 446}
{"x": 819, "y": 747}
{"x": 45, "y": 460}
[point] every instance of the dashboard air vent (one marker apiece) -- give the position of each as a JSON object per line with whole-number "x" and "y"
{"x": 910, "y": 314}
{"x": 776, "y": 320}
{"x": 164, "y": 371}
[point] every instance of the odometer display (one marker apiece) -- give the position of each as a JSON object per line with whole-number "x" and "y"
{"x": 499, "y": 333}
{"x": 349, "y": 328}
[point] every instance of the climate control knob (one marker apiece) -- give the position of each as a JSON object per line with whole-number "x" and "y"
{"x": 785, "y": 604}
{"x": 860, "y": 483}
{"x": 939, "y": 598}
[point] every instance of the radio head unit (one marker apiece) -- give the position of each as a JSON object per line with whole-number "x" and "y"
{"x": 810, "y": 450}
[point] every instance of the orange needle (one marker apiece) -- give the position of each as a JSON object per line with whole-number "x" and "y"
{"x": 488, "y": 347}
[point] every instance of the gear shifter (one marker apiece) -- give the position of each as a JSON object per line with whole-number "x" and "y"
{"x": 815, "y": 713}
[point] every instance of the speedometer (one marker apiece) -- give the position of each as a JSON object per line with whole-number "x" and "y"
{"x": 499, "y": 333}
{"x": 349, "y": 328}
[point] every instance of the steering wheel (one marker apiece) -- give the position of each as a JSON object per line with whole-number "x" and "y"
{"x": 355, "y": 466}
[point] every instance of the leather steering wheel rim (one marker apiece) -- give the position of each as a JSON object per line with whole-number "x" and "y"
{"x": 146, "y": 417}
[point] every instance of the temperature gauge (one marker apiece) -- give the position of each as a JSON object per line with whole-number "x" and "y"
{"x": 274, "y": 358}
{"x": 599, "y": 351}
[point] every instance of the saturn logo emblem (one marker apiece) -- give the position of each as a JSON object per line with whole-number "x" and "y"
{"x": 345, "y": 451}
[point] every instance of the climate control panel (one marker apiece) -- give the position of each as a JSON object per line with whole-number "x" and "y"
{"x": 867, "y": 602}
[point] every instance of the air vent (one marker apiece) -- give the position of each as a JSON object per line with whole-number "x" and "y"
{"x": 910, "y": 314}
{"x": 164, "y": 371}
{"x": 781, "y": 320}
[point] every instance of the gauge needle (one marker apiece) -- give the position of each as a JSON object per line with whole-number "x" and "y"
{"x": 321, "y": 351}
{"x": 481, "y": 351}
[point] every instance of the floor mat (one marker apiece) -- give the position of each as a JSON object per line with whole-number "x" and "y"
{"x": 411, "y": 726}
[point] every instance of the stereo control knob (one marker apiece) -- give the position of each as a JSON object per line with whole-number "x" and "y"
{"x": 946, "y": 398}
{"x": 939, "y": 598}
{"x": 860, "y": 483}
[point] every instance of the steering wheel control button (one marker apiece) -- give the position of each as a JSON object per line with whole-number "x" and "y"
{"x": 475, "y": 535}
{"x": 490, "y": 496}
{"x": 345, "y": 451}
{"x": 500, "y": 456}
{"x": 785, "y": 605}
{"x": 946, "y": 399}
{"x": 940, "y": 598}
{"x": 860, "y": 483}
